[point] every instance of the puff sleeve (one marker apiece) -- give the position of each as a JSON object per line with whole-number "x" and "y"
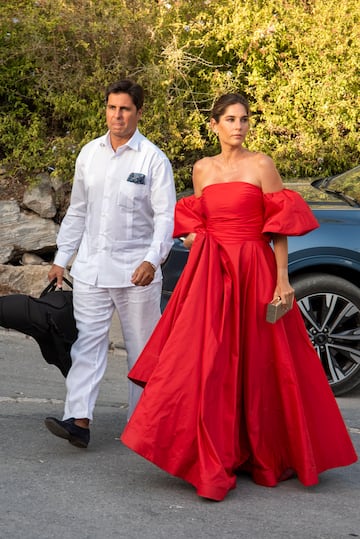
{"x": 188, "y": 216}
{"x": 287, "y": 213}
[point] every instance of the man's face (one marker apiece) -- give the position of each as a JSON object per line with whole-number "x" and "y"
{"x": 122, "y": 118}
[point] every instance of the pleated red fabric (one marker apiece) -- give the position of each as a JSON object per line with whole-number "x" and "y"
{"x": 225, "y": 391}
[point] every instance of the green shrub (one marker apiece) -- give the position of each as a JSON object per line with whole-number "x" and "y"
{"x": 297, "y": 61}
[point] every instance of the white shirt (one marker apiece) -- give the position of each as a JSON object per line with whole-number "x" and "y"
{"x": 115, "y": 224}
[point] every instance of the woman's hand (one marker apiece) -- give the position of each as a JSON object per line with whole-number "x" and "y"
{"x": 286, "y": 293}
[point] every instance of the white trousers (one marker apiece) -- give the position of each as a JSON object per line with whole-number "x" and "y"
{"x": 138, "y": 308}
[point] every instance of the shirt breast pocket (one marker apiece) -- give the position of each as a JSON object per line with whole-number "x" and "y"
{"x": 132, "y": 196}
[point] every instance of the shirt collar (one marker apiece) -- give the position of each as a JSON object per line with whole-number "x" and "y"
{"x": 133, "y": 143}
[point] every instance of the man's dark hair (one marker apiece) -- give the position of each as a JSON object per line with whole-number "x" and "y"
{"x": 127, "y": 86}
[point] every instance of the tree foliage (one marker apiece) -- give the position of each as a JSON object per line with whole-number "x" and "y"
{"x": 297, "y": 62}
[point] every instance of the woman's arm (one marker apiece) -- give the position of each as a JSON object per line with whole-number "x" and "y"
{"x": 283, "y": 289}
{"x": 271, "y": 182}
{"x": 197, "y": 178}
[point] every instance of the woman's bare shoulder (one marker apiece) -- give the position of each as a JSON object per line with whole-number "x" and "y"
{"x": 201, "y": 171}
{"x": 262, "y": 159}
{"x": 203, "y": 164}
{"x": 267, "y": 172}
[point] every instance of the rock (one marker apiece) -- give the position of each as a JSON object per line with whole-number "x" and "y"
{"x": 21, "y": 232}
{"x": 57, "y": 183}
{"x": 31, "y": 259}
{"x": 30, "y": 280}
{"x": 40, "y": 198}
{"x": 29, "y": 218}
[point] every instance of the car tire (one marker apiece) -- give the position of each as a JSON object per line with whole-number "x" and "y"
{"x": 330, "y": 307}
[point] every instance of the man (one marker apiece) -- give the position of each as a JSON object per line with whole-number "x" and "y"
{"x": 120, "y": 223}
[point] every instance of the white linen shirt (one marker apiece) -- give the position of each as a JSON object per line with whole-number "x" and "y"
{"x": 112, "y": 223}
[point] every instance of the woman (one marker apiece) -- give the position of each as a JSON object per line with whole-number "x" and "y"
{"x": 225, "y": 390}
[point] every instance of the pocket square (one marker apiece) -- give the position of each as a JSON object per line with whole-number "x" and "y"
{"x": 136, "y": 177}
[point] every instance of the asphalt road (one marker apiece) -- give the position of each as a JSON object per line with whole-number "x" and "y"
{"x": 52, "y": 490}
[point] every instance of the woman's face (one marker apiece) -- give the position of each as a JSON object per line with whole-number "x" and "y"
{"x": 232, "y": 126}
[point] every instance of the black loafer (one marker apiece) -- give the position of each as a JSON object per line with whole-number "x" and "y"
{"x": 77, "y": 436}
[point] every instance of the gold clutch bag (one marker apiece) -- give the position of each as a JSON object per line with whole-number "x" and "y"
{"x": 275, "y": 310}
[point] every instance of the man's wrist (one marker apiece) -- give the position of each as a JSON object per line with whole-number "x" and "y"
{"x": 151, "y": 264}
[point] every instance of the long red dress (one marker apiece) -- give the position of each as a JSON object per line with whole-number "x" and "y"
{"x": 225, "y": 390}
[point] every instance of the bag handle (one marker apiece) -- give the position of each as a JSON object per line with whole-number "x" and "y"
{"x": 52, "y": 286}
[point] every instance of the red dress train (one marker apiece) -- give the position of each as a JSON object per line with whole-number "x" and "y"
{"x": 226, "y": 391}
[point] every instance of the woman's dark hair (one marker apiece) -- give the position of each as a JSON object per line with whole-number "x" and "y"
{"x": 127, "y": 86}
{"x": 223, "y": 102}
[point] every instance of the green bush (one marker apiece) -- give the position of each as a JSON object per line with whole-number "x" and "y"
{"x": 297, "y": 61}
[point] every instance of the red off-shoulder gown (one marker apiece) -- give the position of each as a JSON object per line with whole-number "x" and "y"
{"x": 225, "y": 390}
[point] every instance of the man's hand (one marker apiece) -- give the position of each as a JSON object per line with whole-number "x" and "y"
{"x": 189, "y": 240}
{"x": 144, "y": 274}
{"x": 56, "y": 272}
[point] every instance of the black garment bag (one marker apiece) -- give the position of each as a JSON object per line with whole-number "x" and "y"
{"x": 49, "y": 319}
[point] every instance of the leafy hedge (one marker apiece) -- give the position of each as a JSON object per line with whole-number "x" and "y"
{"x": 297, "y": 61}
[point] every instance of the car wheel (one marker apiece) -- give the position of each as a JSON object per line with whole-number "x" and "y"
{"x": 330, "y": 307}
